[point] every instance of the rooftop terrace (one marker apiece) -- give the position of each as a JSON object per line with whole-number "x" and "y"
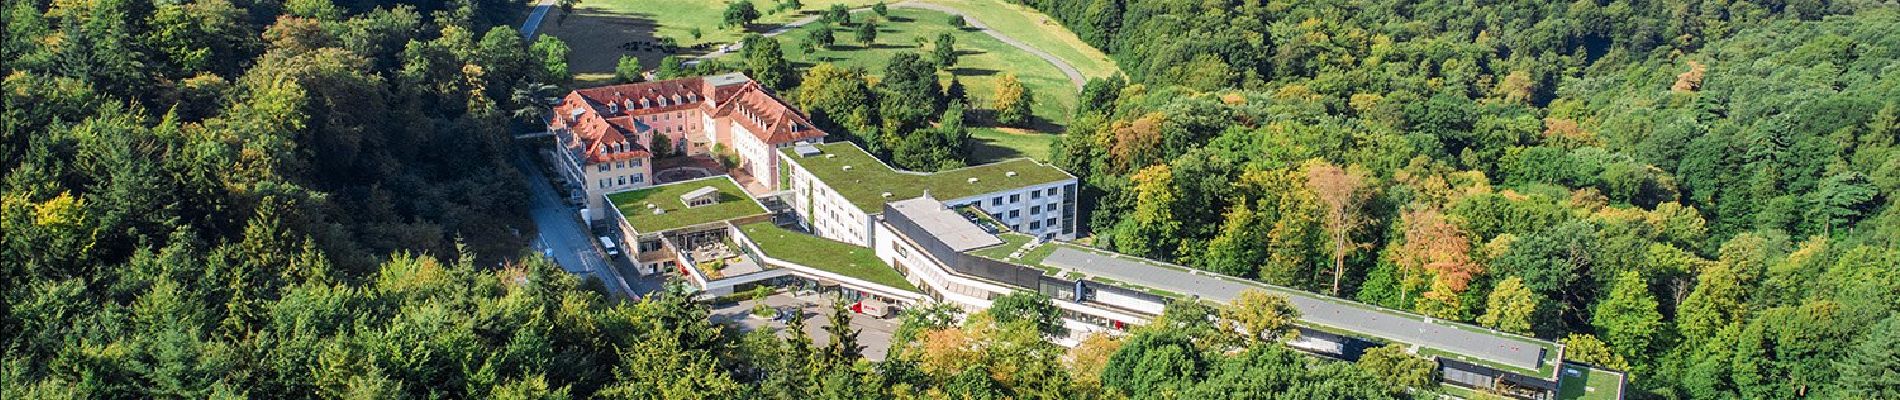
{"x": 863, "y": 179}
{"x": 639, "y": 206}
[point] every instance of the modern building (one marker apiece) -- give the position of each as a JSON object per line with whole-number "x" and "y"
{"x": 840, "y": 190}
{"x": 607, "y": 135}
{"x": 888, "y": 239}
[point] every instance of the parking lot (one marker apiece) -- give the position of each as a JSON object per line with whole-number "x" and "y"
{"x": 873, "y": 333}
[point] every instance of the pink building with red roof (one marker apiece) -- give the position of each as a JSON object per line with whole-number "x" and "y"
{"x": 606, "y": 135}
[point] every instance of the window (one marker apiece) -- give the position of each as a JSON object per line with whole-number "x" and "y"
{"x": 622, "y": 181}
{"x": 1015, "y": 214}
{"x": 620, "y": 164}
{"x": 996, "y": 201}
{"x": 1035, "y": 195}
{"x": 1049, "y": 222}
{"x": 1052, "y": 207}
{"x": 1014, "y": 198}
{"x": 603, "y": 183}
{"x": 1052, "y": 191}
{"x": 605, "y": 166}
{"x": 1035, "y": 225}
{"x": 635, "y": 162}
{"x": 1035, "y": 210}
{"x": 638, "y": 178}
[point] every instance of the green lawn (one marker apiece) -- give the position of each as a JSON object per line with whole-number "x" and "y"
{"x": 982, "y": 60}
{"x": 1037, "y": 30}
{"x": 733, "y": 203}
{"x": 863, "y": 180}
{"x": 997, "y": 144}
{"x": 825, "y": 254}
{"x": 1011, "y": 242}
{"x": 1595, "y": 384}
{"x": 677, "y": 18}
{"x": 597, "y": 29}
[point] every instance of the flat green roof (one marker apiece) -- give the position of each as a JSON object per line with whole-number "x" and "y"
{"x": 733, "y": 203}
{"x": 825, "y": 254}
{"x": 868, "y": 178}
{"x": 1589, "y": 384}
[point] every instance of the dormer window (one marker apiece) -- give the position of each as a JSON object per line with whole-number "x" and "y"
{"x": 643, "y": 103}
{"x": 613, "y": 108}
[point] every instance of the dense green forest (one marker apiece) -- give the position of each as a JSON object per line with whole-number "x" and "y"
{"x": 1704, "y": 189}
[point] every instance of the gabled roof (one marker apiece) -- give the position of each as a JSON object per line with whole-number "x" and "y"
{"x": 606, "y": 125}
{"x": 768, "y": 117}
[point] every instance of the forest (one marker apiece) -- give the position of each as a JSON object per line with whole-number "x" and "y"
{"x": 1698, "y": 192}
{"x": 317, "y": 199}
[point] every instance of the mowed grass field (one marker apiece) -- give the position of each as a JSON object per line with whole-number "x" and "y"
{"x": 597, "y": 29}
{"x": 982, "y": 59}
{"x": 1037, "y": 30}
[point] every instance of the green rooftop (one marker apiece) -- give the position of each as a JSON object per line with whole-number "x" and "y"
{"x": 732, "y": 203}
{"x": 867, "y": 179}
{"x": 816, "y": 252}
{"x": 1588, "y": 384}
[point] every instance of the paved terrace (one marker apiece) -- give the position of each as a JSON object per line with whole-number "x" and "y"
{"x": 866, "y": 178}
{"x": 1357, "y": 318}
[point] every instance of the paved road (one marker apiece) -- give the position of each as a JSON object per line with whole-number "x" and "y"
{"x": 1407, "y": 328}
{"x": 1075, "y": 76}
{"x": 873, "y": 333}
{"x": 561, "y": 234}
{"x": 534, "y": 18}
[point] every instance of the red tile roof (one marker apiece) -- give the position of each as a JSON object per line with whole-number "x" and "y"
{"x": 602, "y": 119}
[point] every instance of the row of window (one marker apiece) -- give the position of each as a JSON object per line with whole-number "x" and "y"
{"x": 634, "y": 179}
{"x": 1033, "y": 210}
{"x": 632, "y": 163}
{"x": 1016, "y": 198}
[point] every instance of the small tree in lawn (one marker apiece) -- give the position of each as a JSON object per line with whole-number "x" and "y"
{"x": 881, "y": 9}
{"x": 740, "y": 13}
{"x": 867, "y": 32}
{"x": 696, "y": 32}
{"x": 627, "y": 70}
{"x": 791, "y": 5}
{"x": 823, "y": 36}
{"x": 837, "y": 15}
{"x": 1012, "y": 101}
{"x": 956, "y": 21}
{"x": 945, "y": 54}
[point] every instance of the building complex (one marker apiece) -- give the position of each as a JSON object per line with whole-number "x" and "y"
{"x": 830, "y": 216}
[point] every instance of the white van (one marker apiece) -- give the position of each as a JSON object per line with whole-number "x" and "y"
{"x": 608, "y": 244}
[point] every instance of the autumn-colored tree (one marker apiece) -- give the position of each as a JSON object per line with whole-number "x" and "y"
{"x": 1434, "y": 245}
{"x": 1130, "y": 144}
{"x": 1585, "y": 348}
{"x": 1012, "y": 101}
{"x": 1151, "y": 227}
{"x": 1341, "y": 191}
{"x": 1087, "y": 358}
{"x": 1259, "y": 316}
{"x": 1510, "y": 307}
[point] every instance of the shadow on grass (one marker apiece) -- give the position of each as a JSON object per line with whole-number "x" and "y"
{"x": 988, "y": 150}
{"x": 969, "y": 72}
